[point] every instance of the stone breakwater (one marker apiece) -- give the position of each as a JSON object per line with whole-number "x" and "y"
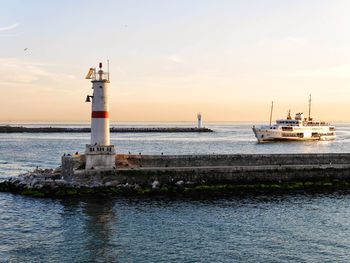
{"x": 188, "y": 175}
{"x": 21, "y": 129}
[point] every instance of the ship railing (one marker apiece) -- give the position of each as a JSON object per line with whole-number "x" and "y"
{"x": 102, "y": 76}
{"x": 317, "y": 124}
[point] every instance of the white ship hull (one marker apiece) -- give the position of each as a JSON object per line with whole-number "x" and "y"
{"x": 266, "y": 134}
{"x": 297, "y": 129}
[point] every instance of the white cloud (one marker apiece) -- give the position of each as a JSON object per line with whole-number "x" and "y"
{"x": 17, "y": 72}
{"x": 9, "y": 35}
{"x": 175, "y": 59}
{"x": 6, "y": 28}
{"x": 340, "y": 71}
{"x": 284, "y": 42}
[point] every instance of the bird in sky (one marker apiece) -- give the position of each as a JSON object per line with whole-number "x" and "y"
{"x": 25, "y": 49}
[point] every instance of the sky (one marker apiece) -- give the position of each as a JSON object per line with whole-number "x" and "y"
{"x": 170, "y": 60}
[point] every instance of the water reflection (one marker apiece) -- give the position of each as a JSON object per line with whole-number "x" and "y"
{"x": 92, "y": 225}
{"x": 101, "y": 225}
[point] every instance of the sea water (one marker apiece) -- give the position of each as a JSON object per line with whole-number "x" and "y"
{"x": 299, "y": 228}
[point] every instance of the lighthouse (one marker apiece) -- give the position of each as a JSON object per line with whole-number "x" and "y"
{"x": 199, "y": 118}
{"x": 100, "y": 153}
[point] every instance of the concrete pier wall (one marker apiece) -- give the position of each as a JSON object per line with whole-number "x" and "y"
{"x": 213, "y": 175}
{"x": 230, "y": 160}
{"x": 70, "y": 164}
{"x": 236, "y": 175}
{"x": 204, "y": 169}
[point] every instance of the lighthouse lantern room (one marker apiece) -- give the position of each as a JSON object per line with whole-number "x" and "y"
{"x": 100, "y": 154}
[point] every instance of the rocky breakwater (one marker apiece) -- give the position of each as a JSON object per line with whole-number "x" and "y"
{"x": 50, "y": 183}
{"x": 188, "y": 175}
{"x": 21, "y": 129}
{"x": 36, "y": 183}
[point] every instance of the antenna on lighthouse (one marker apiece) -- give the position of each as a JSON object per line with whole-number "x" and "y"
{"x": 310, "y": 119}
{"x": 108, "y": 68}
{"x": 271, "y": 113}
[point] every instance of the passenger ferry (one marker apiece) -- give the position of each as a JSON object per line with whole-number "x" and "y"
{"x": 297, "y": 129}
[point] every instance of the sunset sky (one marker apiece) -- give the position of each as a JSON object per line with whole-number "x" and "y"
{"x": 172, "y": 59}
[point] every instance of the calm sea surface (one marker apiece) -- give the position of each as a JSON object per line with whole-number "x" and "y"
{"x": 291, "y": 228}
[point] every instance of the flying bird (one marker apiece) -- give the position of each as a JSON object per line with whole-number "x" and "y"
{"x": 25, "y": 49}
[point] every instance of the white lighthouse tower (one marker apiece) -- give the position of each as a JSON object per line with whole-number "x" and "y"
{"x": 199, "y": 118}
{"x": 100, "y": 154}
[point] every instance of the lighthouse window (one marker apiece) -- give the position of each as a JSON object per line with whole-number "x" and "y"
{"x": 100, "y": 87}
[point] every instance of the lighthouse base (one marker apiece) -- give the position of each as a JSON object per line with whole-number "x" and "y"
{"x": 100, "y": 157}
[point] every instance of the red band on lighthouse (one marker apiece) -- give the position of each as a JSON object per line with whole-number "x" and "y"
{"x": 100, "y": 114}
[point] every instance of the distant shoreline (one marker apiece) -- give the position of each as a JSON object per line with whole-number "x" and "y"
{"x": 22, "y": 129}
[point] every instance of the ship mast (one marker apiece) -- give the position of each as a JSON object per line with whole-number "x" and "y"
{"x": 309, "y": 108}
{"x": 271, "y": 113}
